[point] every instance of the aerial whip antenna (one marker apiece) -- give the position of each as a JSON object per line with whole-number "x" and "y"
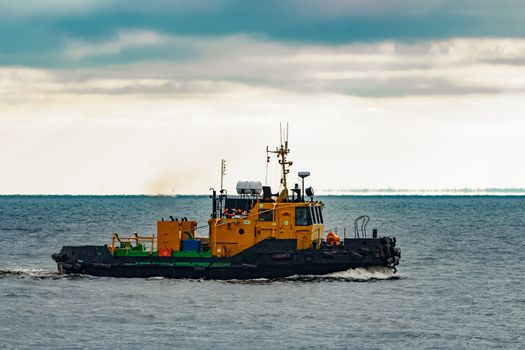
{"x": 267, "y": 164}
{"x": 223, "y": 172}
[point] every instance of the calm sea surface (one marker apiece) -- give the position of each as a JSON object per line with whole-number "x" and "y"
{"x": 460, "y": 284}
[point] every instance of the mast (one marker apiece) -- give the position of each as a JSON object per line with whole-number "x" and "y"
{"x": 219, "y": 206}
{"x": 282, "y": 152}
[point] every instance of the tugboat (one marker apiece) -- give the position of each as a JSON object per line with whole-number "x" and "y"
{"x": 257, "y": 234}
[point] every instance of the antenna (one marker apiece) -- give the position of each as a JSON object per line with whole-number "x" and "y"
{"x": 267, "y": 163}
{"x": 283, "y": 132}
{"x": 223, "y": 172}
{"x": 302, "y": 175}
{"x": 286, "y": 133}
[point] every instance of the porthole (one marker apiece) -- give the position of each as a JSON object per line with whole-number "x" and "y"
{"x": 241, "y": 231}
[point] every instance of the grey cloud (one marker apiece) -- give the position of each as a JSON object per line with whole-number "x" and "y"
{"x": 31, "y": 31}
{"x": 407, "y": 87}
{"x": 223, "y": 64}
{"x": 513, "y": 61}
{"x": 16, "y": 10}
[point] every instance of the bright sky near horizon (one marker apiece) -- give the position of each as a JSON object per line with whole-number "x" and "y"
{"x": 133, "y": 97}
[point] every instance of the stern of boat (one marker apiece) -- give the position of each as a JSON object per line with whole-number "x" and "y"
{"x": 374, "y": 251}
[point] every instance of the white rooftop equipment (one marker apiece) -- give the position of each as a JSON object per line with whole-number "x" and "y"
{"x": 253, "y": 188}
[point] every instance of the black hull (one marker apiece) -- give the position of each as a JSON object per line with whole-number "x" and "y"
{"x": 267, "y": 259}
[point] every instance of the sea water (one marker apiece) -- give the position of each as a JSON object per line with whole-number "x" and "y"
{"x": 460, "y": 283}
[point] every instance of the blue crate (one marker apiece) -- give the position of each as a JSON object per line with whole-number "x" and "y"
{"x": 191, "y": 244}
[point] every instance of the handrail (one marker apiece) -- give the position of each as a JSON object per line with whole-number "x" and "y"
{"x": 364, "y": 221}
{"x": 135, "y": 238}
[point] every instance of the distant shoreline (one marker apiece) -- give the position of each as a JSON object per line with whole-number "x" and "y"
{"x": 430, "y": 192}
{"x": 324, "y": 193}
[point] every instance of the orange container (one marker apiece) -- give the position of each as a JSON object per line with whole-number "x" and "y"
{"x": 168, "y": 235}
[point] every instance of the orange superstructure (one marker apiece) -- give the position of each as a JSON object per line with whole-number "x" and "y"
{"x": 300, "y": 221}
{"x": 240, "y": 223}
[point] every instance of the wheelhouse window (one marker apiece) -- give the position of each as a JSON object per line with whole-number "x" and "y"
{"x": 303, "y": 216}
{"x": 265, "y": 215}
{"x": 320, "y": 210}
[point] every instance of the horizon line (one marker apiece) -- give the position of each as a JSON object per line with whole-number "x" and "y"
{"x": 324, "y": 192}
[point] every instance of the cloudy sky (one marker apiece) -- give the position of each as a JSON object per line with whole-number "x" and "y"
{"x": 132, "y": 97}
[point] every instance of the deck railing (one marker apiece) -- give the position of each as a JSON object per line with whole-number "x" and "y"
{"x": 134, "y": 238}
